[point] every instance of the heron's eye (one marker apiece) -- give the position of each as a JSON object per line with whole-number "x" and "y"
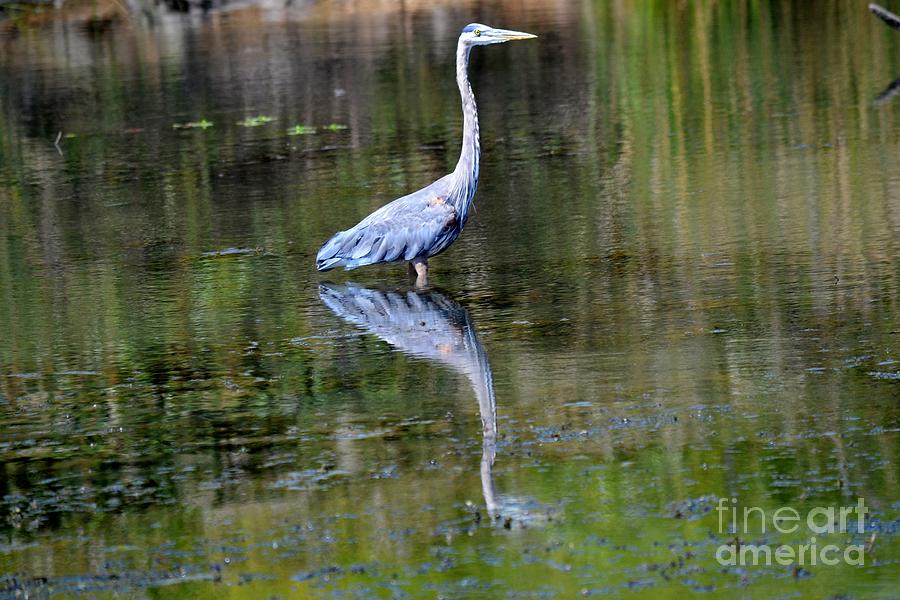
{"x": 477, "y": 33}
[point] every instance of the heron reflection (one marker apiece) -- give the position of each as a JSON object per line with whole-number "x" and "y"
{"x": 431, "y": 326}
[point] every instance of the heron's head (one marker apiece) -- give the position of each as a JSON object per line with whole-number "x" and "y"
{"x": 476, "y": 34}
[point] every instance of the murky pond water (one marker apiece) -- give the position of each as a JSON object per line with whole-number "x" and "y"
{"x": 680, "y": 284}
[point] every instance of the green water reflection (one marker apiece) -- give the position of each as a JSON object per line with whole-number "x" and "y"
{"x": 682, "y": 271}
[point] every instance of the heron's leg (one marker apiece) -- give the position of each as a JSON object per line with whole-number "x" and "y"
{"x": 418, "y": 268}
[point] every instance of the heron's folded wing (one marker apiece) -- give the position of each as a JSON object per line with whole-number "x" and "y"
{"x": 408, "y": 231}
{"x": 401, "y": 230}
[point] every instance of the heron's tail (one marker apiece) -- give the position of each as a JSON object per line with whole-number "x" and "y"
{"x": 328, "y": 258}
{"x": 328, "y": 264}
{"x": 337, "y": 252}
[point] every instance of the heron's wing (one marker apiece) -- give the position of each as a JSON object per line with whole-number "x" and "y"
{"x": 402, "y": 230}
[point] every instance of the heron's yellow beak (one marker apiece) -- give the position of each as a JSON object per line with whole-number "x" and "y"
{"x": 507, "y": 35}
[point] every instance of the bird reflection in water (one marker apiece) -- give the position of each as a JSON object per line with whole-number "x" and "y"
{"x": 431, "y": 326}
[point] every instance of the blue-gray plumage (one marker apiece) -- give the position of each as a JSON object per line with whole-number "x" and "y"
{"x": 424, "y": 223}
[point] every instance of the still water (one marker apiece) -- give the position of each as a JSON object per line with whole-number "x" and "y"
{"x": 680, "y": 283}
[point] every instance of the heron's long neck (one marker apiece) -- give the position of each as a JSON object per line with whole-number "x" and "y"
{"x": 466, "y": 174}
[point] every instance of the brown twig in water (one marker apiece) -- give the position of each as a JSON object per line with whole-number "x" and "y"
{"x": 889, "y": 92}
{"x": 870, "y": 545}
{"x": 125, "y": 11}
{"x": 885, "y": 15}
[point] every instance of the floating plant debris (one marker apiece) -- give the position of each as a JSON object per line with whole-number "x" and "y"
{"x": 201, "y": 124}
{"x": 255, "y": 121}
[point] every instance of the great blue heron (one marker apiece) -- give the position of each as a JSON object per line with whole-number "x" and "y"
{"x": 424, "y": 223}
